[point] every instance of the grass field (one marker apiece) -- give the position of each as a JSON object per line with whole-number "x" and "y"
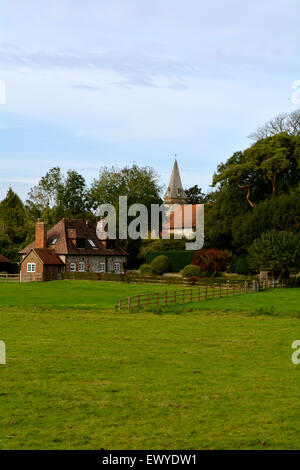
{"x": 81, "y": 375}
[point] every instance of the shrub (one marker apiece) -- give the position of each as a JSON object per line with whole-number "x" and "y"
{"x": 191, "y": 270}
{"x": 160, "y": 265}
{"x": 212, "y": 261}
{"x": 242, "y": 266}
{"x": 178, "y": 259}
{"x": 278, "y": 251}
{"x": 145, "y": 269}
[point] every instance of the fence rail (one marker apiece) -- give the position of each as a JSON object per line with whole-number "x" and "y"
{"x": 10, "y": 277}
{"x": 194, "y": 294}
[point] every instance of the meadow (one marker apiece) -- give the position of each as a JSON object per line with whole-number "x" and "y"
{"x": 82, "y": 375}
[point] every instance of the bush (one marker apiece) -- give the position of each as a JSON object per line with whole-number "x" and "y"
{"x": 278, "y": 251}
{"x": 212, "y": 261}
{"x": 160, "y": 265}
{"x": 242, "y": 266}
{"x": 178, "y": 259}
{"x": 191, "y": 270}
{"x": 145, "y": 269}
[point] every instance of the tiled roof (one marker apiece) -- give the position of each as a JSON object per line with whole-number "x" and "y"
{"x": 3, "y": 259}
{"x": 175, "y": 188}
{"x": 66, "y": 231}
{"x": 47, "y": 256}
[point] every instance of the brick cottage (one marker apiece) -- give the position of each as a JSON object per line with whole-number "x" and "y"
{"x": 70, "y": 246}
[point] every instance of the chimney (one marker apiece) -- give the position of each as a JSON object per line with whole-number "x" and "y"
{"x": 40, "y": 235}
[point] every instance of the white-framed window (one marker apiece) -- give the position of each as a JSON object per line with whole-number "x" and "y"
{"x": 73, "y": 267}
{"x": 102, "y": 267}
{"x": 81, "y": 266}
{"x": 31, "y": 267}
{"x": 117, "y": 267}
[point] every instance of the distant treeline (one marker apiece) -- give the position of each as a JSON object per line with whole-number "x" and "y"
{"x": 253, "y": 192}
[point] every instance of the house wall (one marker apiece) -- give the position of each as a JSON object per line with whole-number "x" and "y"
{"x": 92, "y": 263}
{"x": 39, "y": 269}
{"x": 112, "y": 259}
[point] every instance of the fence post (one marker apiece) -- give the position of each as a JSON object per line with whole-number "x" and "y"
{"x": 129, "y": 302}
{"x": 119, "y": 304}
{"x": 205, "y": 293}
{"x": 166, "y": 297}
{"x": 220, "y": 290}
{"x": 246, "y": 287}
{"x": 239, "y": 289}
{"x": 213, "y": 291}
{"x": 227, "y": 290}
{"x": 148, "y": 299}
{"x": 233, "y": 289}
{"x": 174, "y": 296}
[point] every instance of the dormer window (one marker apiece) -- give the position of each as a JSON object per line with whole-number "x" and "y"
{"x": 110, "y": 244}
{"x": 53, "y": 241}
{"x": 92, "y": 243}
{"x": 80, "y": 243}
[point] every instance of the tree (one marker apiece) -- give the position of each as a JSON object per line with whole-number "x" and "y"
{"x": 13, "y": 225}
{"x": 195, "y": 195}
{"x": 139, "y": 184}
{"x": 72, "y": 197}
{"x": 57, "y": 196}
{"x": 284, "y": 122}
{"x": 42, "y": 198}
{"x": 277, "y": 251}
{"x": 267, "y": 165}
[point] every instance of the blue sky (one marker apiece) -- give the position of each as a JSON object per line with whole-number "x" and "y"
{"x": 98, "y": 83}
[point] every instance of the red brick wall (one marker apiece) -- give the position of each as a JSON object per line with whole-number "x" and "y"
{"x": 40, "y": 235}
{"x": 39, "y": 269}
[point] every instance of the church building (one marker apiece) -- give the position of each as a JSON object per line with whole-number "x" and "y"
{"x": 183, "y": 218}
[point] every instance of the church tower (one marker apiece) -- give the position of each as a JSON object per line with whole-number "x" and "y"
{"x": 175, "y": 193}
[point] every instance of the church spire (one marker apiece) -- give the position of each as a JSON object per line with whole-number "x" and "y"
{"x": 175, "y": 193}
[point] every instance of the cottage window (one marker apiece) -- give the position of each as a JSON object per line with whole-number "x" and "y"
{"x": 31, "y": 267}
{"x": 102, "y": 267}
{"x": 92, "y": 243}
{"x": 81, "y": 267}
{"x": 72, "y": 267}
{"x": 117, "y": 268}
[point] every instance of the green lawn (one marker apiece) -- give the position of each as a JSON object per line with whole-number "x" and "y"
{"x": 81, "y": 375}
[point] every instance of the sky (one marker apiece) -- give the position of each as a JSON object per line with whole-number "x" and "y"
{"x": 98, "y": 83}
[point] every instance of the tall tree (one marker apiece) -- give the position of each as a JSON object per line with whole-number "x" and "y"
{"x": 13, "y": 225}
{"x": 284, "y": 122}
{"x": 139, "y": 183}
{"x": 195, "y": 195}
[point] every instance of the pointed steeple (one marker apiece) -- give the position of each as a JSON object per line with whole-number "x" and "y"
{"x": 175, "y": 193}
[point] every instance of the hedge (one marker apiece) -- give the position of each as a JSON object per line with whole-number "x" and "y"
{"x": 86, "y": 276}
{"x": 178, "y": 259}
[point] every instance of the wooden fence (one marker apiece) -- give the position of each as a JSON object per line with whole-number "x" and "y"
{"x": 182, "y": 296}
{"x": 195, "y": 294}
{"x": 9, "y": 277}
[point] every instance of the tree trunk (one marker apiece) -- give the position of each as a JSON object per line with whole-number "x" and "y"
{"x": 246, "y": 186}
